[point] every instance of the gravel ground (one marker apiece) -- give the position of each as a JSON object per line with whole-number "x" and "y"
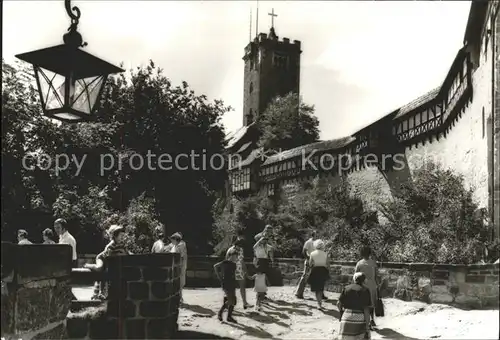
{"x": 286, "y": 317}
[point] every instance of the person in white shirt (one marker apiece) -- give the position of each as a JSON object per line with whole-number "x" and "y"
{"x": 318, "y": 260}
{"x": 159, "y": 246}
{"x": 179, "y": 246}
{"x": 264, "y": 233}
{"x": 22, "y": 237}
{"x": 306, "y": 252}
{"x": 60, "y": 226}
{"x": 263, "y": 253}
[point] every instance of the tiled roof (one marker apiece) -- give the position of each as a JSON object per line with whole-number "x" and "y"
{"x": 244, "y": 147}
{"x": 233, "y": 137}
{"x": 417, "y": 102}
{"x": 255, "y": 154}
{"x": 318, "y": 146}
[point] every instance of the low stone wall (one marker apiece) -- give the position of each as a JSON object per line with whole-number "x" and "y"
{"x": 143, "y": 300}
{"x": 472, "y": 286}
{"x": 36, "y": 291}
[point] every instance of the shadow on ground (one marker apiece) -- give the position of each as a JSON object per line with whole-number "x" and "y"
{"x": 198, "y": 335}
{"x": 268, "y": 318}
{"x": 392, "y": 334}
{"x": 289, "y": 307}
{"x": 253, "y": 331}
{"x": 200, "y": 310}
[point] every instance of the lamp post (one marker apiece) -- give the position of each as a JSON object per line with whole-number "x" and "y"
{"x": 70, "y": 81}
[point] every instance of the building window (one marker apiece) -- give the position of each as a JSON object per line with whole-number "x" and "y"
{"x": 438, "y": 110}
{"x": 424, "y": 116}
{"x": 431, "y": 113}
{"x": 251, "y": 88}
{"x": 252, "y": 65}
{"x": 405, "y": 125}
{"x": 417, "y": 119}
{"x": 410, "y": 123}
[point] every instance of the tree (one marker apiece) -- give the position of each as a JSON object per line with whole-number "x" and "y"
{"x": 156, "y": 118}
{"x": 287, "y": 123}
{"x": 141, "y": 114}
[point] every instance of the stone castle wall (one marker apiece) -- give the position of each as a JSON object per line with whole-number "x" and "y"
{"x": 36, "y": 291}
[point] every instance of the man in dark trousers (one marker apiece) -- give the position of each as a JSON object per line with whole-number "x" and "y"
{"x": 225, "y": 271}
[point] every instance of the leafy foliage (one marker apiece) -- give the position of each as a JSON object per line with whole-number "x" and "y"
{"x": 435, "y": 219}
{"x": 142, "y": 116}
{"x": 287, "y": 123}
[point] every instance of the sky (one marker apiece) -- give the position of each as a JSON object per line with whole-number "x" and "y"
{"x": 360, "y": 60}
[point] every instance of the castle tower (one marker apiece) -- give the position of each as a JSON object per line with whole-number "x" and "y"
{"x": 272, "y": 68}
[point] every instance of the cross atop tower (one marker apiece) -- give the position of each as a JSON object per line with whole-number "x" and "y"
{"x": 272, "y": 17}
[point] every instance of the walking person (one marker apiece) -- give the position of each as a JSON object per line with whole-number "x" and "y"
{"x": 61, "y": 228}
{"x": 241, "y": 269}
{"x": 306, "y": 252}
{"x": 48, "y": 236}
{"x": 225, "y": 272}
{"x": 260, "y": 287}
{"x": 179, "y": 246}
{"x": 368, "y": 267}
{"x": 318, "y": 261}
{"x": 22, "y": 237}
{"x": 354, "y": 306}
{"x": 263, "y": 253}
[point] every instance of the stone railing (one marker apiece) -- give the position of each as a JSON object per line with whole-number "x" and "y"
{"x": 36, "y": 291}
{"x": 143, "y": 299}
{"x": 473, "y": 286}
{"x": 466, "y": 285}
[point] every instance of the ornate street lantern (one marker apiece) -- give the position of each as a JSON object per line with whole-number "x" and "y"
{"x": 70, "y": 81}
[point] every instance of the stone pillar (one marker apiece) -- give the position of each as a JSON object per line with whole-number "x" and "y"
{"x": 36, "y": 291}
{"x": 143, "y": 297}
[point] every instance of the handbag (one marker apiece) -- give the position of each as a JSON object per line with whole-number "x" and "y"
{"x": 379, "y": 305}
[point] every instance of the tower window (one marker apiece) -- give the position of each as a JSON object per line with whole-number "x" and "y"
{"x": 280, "y": 61}
{"x": 251, "y": 88}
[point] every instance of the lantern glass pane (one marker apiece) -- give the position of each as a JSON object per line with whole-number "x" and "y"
{"x": 51, "y": 88}
{"x": 85, "y": 92}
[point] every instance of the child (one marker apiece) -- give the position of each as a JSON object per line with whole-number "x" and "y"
{"x": 260, "y": 287}
{"x": 225, "y": 271}
{"x": 113, "y": 248}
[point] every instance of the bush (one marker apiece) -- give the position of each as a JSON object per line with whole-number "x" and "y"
{"x": 139, "y": 222}
{"x": 433, "y": 219}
